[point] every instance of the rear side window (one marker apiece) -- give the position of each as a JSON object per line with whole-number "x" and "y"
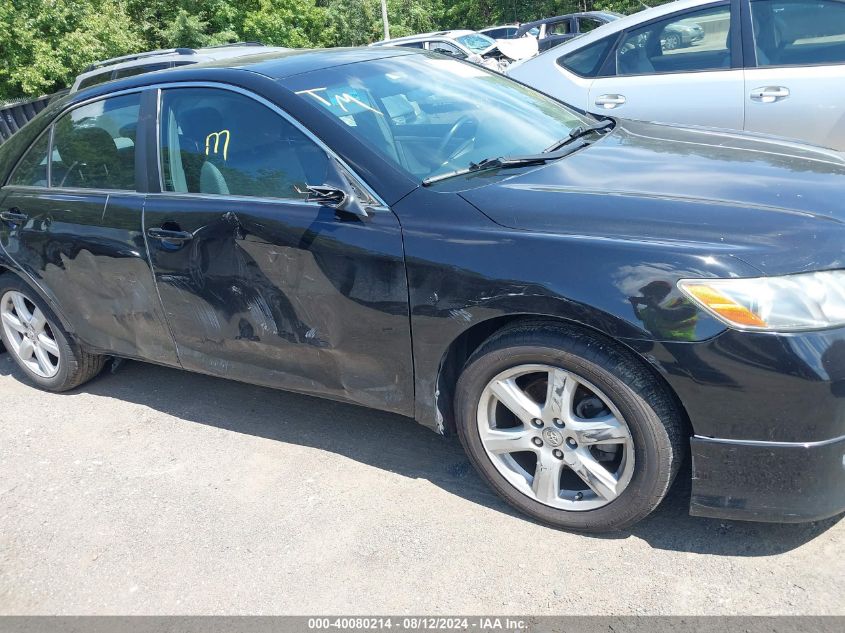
{"x": 218, "y": 142}
{"x": 798, "y": 32}
{"x": 131, "y": 71}
{"x": 585, "y": 25}
{"x": 94, "y": 145}
{"x": 688, "y": 42}
{"x": 559, "y": 28}
{"x": 32, "y": 170}
{"x": 587, "y": 62}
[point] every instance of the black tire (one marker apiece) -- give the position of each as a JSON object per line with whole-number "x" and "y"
{"x": 655, "y": 424}
{"x": 75, "y": 365}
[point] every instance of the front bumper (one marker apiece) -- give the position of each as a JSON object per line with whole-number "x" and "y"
{"x": 768, "y": 418}
{"x": 767, "y": 481}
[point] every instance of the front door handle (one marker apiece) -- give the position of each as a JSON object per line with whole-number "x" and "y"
{"x": 608, "y": 102}
{"x": 14, "y": 215}
{"x": 770, "y": 94}
{"x": 170, "y": 235}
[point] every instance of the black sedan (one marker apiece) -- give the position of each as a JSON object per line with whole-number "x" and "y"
{"x": 585, "y": 302}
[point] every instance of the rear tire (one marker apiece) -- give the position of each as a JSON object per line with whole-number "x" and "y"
{"x": 598, "y": 452}
{"x": 37, "y": 342}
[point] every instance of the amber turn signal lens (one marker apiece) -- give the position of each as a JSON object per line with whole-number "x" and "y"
{"x": 724, "y": 306}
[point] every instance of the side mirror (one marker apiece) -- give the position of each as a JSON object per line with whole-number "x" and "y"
{"x": 337, "y": 192}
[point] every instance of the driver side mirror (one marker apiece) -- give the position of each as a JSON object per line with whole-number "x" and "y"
{"x": 337, "y": 192}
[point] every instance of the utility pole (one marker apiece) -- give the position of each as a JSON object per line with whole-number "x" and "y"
{"x": 384, "y": 19}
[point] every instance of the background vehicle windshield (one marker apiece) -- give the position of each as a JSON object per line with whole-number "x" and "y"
{"x": 476, "y": 42}
{"x": 431, "y": 115}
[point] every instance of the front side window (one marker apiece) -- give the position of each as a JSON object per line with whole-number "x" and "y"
{"x": 798, "y": 32}
{"x": 429, "y": 115}
{"x": 447, "y": 49}
{"x": 587, "y": 61}
{"x": 94, "y": 145}
{"x": 32, "y": 170}
{"x": 694, "y": 41}
{"x": 219, "y": 142}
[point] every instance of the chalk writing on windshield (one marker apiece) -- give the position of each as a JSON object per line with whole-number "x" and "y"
{"x": 343, "y": 100}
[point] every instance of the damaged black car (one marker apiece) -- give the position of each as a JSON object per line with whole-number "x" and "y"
{"x": 585, "y": 302}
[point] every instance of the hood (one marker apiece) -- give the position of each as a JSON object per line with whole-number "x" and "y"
{"x": 520, "y": 48}
{"x": 777, "y": 205}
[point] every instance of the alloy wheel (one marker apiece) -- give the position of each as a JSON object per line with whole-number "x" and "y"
{"x": 29, "y": 334}
{"x": 555, "y": 437}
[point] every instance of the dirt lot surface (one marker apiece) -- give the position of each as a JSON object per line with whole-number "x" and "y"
{"x": 154, "y": 491}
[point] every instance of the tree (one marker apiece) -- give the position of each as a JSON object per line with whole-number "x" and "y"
{"x": 43, "y": 45}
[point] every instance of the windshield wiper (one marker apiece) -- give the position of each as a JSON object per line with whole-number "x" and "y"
{"x": 507, "y": 162}
{"x": 580, "y": 132}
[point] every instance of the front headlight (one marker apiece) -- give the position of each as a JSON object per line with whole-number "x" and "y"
{"x": 807, "y": 301}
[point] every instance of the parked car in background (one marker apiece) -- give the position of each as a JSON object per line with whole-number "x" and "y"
{"x": 504, "y": 32}
{"x": 553, "y": 31}
{"x": 467, "y": 45}
{"x": 139, "y": 63}
{"x": 781, "y": 72}
{"x": 585, "y": 302}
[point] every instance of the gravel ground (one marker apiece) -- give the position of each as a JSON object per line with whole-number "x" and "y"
{"x": 154, "y": 491}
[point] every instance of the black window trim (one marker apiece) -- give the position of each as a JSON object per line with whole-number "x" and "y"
{"x": 736, "y": 41}
{"x": 139, "y": 166}
{"x": 750, "y": 47}
{"x": 158, "y": 176}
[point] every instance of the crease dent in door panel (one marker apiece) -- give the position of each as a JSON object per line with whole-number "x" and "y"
{"x": 96, "y": 264}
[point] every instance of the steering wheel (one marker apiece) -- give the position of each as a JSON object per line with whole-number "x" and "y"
{"x": 465, "y": 123}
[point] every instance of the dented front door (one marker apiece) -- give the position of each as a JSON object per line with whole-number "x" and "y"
{"x": 286, "y": 294}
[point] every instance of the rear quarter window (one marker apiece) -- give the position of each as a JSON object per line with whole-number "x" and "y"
{"x": 587, "y": 61}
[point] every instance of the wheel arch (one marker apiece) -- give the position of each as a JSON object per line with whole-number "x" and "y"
{"x": 6, "y": 269}
{"x": 467, "y": 342}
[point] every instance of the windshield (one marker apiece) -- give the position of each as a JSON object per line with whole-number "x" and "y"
{"x": 476, "y": 42}
{"x": 431, "y": 115}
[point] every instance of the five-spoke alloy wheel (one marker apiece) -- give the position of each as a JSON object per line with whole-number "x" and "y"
{"x": 568, "y": 426}
{"x": 28, "y": 335}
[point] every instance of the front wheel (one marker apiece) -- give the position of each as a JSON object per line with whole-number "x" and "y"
{"x": 38, "y": 344}
{"x": 568, "y": 428}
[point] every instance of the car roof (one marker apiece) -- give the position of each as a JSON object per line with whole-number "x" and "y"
{"x": 584, "y": 14}
{"x": 449, "y": 35}
{"x": 621, "y": 24}
{"x": 164, "y": 56}
{"x": 274, "y": 65}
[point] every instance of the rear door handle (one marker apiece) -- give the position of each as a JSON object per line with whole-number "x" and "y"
{"x": 608, "y": 102}
{"x": 14, "y": 215}
{"x": 769, "y": 94}
{"x": 169, "y": 235}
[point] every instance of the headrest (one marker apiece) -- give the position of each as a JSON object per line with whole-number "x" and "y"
{"x": 90, "y": 146}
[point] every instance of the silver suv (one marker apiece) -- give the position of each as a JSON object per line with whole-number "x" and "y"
{"x": 140, "y": 63}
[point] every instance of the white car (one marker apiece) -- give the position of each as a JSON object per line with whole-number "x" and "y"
{"x": 767, "y": 66}
{"x": 470, "y": 46}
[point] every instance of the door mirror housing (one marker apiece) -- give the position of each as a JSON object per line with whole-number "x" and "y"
{"x": 338, "y": 192}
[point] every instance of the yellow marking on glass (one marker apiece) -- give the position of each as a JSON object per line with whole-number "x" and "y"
{"x": 216, "y": 136}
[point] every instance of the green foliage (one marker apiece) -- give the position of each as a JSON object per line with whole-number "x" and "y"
{"x": 44, "y": 44}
